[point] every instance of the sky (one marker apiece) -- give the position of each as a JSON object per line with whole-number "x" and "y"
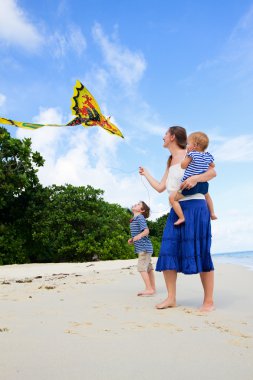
{"x": 150, "y": 65}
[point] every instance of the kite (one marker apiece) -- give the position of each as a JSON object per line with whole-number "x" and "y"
{"x": 84, "y": 107}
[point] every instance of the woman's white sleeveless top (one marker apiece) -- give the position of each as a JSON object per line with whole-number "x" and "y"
{"x": 173, "y": 182}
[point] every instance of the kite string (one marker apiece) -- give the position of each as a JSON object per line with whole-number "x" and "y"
{"x": 122, "y": 171}
{"x": 146, "y": 187}
{"x": 149, "y": 202}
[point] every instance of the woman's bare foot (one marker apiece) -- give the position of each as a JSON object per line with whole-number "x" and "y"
{"x": 207, "y": 307}
{"x": 179, "y": 221}
{"x": 213, "y": 217}
{"x": 166, "y": 304}
{"x": 146, "y": 293}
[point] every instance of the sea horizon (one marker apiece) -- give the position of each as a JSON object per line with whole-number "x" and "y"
{"x": 244, "y": 258}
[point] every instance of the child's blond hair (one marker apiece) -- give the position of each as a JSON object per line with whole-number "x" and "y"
{"x": 200, "y": 139}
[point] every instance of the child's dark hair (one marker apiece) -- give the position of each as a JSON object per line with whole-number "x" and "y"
{"x": 146, "y": 210}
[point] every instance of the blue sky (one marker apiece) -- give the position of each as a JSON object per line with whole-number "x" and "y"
{"x": 149, "y": 64}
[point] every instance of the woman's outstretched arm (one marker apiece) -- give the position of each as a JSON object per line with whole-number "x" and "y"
{"x": 158, "y": 186}
{"x": 204, "y": 177}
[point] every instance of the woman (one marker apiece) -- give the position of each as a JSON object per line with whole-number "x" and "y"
{"x": 185, "y": 248}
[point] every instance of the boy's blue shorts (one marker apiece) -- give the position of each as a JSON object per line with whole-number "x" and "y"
{"x": 201, "y": 187}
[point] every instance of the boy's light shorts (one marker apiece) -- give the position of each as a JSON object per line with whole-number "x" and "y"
{"x": 144, "y": 262}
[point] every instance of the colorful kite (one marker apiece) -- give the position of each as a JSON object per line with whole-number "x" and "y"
{"x": 84, "y": 107}
{"x": 88, "y": 113}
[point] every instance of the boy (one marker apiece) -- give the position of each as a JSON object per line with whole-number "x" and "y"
{"x": 142, "y": 246}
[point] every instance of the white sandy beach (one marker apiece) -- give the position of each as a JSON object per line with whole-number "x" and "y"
{"x": 84, "y": 321}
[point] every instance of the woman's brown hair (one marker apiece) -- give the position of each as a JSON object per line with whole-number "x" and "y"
{"x": 180, "y": 137}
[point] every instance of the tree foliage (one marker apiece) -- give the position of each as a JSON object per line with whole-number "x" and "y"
{"x": 17, "y": 167}
{"x": 18, "y": 181}
{"x": 156, "y": 231}
{"x": 75, "y": 224}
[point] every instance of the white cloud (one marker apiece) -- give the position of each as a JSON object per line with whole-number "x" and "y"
{"x": 72, "y": 40}
{"x": 58, "y": 44}
{"x": 77, "y": 40}
{"x": 237, "y": 149}
{"x": 15, "y": 27}
{"x": 127, "y": 66}
{"x": 233, "y": 232}
{"x": 239, "y": 48}
{"x": 97, "y": 79}
{"x": 46, "y": 140}
{"x": 236, "y": 57}
{"x": 145, "y": 119}
{"x": 208, "y": 64}
{"x": 245, "y": 23}
{"x": 2, "y": 99}
{"x": 62, "y": 8}
{"x": 48, "y": 115}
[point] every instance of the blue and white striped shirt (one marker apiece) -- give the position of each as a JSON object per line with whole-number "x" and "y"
{"x": 138, "y": 225}
{"x": 199, "y": 164}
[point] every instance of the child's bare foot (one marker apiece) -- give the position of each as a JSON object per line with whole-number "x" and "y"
{"x": 179, "y": 221}
{"x": 207, "y": 307}
{"x": 213, "y": 217}
{"x": 146, "y": 293}
{"x": 166, "y": 304}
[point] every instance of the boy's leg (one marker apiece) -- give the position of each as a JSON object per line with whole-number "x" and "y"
{"x": 143, "y": 264}
{"x": 209, "y": 202}
{"x": 152, "y": 279}
{"x": 151, "y": 275}
{"x": 149, "y": 291}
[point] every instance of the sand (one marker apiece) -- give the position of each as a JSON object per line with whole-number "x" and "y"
{"x": 84, "y": 321}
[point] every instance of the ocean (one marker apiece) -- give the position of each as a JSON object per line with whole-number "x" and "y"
{"x": 238, "y": 258}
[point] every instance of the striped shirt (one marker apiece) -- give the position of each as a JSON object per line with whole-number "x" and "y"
{"x": 199, "y": 163}
{"x": 138, "y": 225}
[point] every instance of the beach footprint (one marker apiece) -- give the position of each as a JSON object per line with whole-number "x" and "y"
{"x": 196, "y": 312}
{"x": 150, "y": 326}
{"x": 241, "y": 337}
{"x": 4, "y": 329}
{"x": 78, "y": 328}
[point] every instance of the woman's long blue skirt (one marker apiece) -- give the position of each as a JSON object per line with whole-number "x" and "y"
{"x": 186, "y": 248}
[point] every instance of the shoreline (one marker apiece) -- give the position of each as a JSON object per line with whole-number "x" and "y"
{"x": 84, "y": 320}
{"x": 36, "y": 269}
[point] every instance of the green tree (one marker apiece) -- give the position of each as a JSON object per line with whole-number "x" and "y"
{"x": 18, "y": 172}
{"x": 75, "y": 224}
{"x": 18, "y": 180}
{"x": 156, "y": 232}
